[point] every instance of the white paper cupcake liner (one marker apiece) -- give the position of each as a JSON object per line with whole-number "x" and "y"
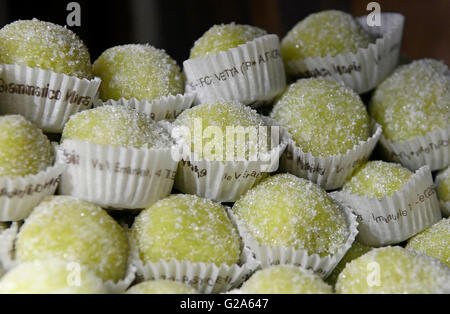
{"x": 46, "y": 98}
{"x": 226, "y": 181}
{"x": 432, "y": 149}
{"x": 7, "y": 239}
{"x": 19, "y": 195}
{"x": 445, "y": 206}
{"x": 395, "y": 218}
{"x": 116, "y": 177}
{"x": 322, "y": 266}
{"x": 365, "y": 69}
{"x": 205, "y": 277}
{"x": 250, "y": 73}
{"x": 163, "y": 108}
{"x": 328, "y": 172}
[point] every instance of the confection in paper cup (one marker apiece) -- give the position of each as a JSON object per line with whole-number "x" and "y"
{"x": 116, "y": 177}
{"x": 432, "y": 149}
{"x": 445, "y": 206}
{"x": 328, "y": 172}
{"x": 163, "y": 108}
{"x": 250, "y": 73}
{"x": 395, "y": 218}
{"x": 226, "y": 181}
{"x": 19, "y": 195}
{"x": 323, "y": 266}
{"x": 205, "y": 277}
{"x": 7, "y": 240}
{"x": 46, "y": 98}
{"x": 366, "y": 68}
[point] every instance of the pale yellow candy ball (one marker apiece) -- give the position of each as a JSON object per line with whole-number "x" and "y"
{"x": 444, "y": 186}
{"x": 434, "y": 241}
{"x": 50, "y": 276}
{"x": 75, "y": 231}
{"x": 413, "y": 101}
{"x": 24, "y": 149}
{"x": 394, "y": 270}
{"x": 137, "y": 71}
{"x": 161, "y": 287}
{"x": 324, "y": 117}
{"x": 45, "y": 45}
{"x": 377, "y": 179}
{"x": 288, "y": 211}
{"x": 327, "y": 33}
{"x": 223, "y": 37}
{"x": 116, "y": 126}
{"x": 285, "y": 280}
{"x": 186, "y": 227}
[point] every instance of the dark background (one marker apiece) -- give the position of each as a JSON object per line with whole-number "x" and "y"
{"x": 174, "y": 25}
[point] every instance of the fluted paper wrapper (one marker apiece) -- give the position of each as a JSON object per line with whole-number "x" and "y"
{"x": 116, "y": 177}
{"x": 367, "y": 67}
{"x": 163, "y": 108}
{"x": 445, "y": 206}
{"x": 205, "y": 277}
{"x": 46, "y": 98}
{"x": 328, "y": 172}
{"x": 322, "y": 266}
{"x": 432, "y": 150}
{"x": 250, "y": 73}
{"x": 396, "y": 218}
{"x": 7, "y": 240}
{"x": 226, "y": 181}
{"x": 19, "y": 195}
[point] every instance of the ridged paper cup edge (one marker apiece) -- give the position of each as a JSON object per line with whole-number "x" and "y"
{"x": 7, "y": 241}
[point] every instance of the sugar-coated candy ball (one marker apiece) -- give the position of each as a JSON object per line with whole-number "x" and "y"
{"x": 434, "y": 241}
{"x": 324, "y": 117}
{"x": 284, "y": 279}
{"x": 220, "y": 116}
{"x": 377, "y": 179}
{"x": 161, "y": 287}
{"x": 358, "y": 249}
{"x": 413, "y": 101}
{"x": 444, "y": 186}
{"x": 116, "y": 126}
{"x": 24, "y": 149}
{"x": 223, "y": 37}
{"x": 327, "y": 33}
{"x": 137, "y": 71}
{"x": 73, "y": 230}
{"x": 51, "y": 276}
{"x": 394, "y": 270}
{"x": 186, "y": 227}
{"x": 288, "y": 211}
{"x": 44, "y": 45}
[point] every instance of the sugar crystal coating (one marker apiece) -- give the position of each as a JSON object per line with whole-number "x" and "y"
{"x": 324, "y": 117}
{"x": 394, "y": 270}
{"x": 116, "y": 126}
{"x": 358, "y": 249}
{"x": 161, "y": 287}
{"x": 413, "y": 101}
{"x": 44, "y": 45}
{"x": 327, "y": 33}
{"x": 434, "y": 241}
{"x": 50, "y": 276}
{"x": 186, "y": 227}
{"x": 377, "y": 179}
{"x": 220, "y": 116}
{"x": 223, "y": 37}
{"x": 284, "y": 279}
{"x": 287, "y": 211}
{"x": 24, "y": 149}
{"x": 444, "y": 186}
{"x": 75, "y": 231}
{"x": 137, "y": 71}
